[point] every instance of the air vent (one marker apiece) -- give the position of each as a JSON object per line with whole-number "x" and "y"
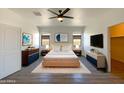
{"x": 37, "y": 13}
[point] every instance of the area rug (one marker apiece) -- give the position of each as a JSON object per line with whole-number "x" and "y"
{"x": 82, "y": 69}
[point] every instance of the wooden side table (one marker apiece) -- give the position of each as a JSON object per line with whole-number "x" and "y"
{"x": 44, "y": 52}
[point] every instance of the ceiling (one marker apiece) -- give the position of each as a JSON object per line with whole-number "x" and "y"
{"x": 80, "y": 15}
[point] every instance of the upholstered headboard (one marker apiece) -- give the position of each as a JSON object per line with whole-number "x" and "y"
{"x": 62, "y": 47}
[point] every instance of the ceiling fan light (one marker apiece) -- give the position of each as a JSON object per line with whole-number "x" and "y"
{"x": 60, "y": 19}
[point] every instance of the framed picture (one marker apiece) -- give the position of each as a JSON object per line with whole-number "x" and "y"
{"x": 61, "y": 37}
{"x": 27, "y": 39}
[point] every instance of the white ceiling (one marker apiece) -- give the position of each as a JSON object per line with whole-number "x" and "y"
{"x": 79, "y": 14}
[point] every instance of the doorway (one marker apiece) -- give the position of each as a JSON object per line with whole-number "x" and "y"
{"x": 117, "y": 47}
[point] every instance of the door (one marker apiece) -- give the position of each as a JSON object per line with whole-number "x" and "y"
{"x": 1, "y": 51}
{"x": 10, "y": 58}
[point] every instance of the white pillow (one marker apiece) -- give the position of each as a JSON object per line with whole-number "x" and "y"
{"x": 67, "y": 48}
{"x": 56, "y": 48}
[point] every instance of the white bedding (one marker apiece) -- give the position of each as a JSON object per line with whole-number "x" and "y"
{"x": 61, "y": 54}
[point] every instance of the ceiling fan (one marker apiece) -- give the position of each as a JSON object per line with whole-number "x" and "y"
{"x": 60, "y": 15}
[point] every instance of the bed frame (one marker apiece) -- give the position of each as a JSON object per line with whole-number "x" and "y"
{"x": 72, "y": 62}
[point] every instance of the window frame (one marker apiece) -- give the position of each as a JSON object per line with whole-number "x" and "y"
{"x": 76, "y": 37}
{"x": 45, "y": 37}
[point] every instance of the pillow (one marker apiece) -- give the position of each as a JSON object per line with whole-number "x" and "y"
{"x": 56, "y": 48}
{"x": 67, "y": 48}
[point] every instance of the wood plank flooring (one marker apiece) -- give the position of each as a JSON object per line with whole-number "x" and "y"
{"x": 97, "y": 77}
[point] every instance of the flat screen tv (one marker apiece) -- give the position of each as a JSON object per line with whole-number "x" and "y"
{"x": 96, "y": 40}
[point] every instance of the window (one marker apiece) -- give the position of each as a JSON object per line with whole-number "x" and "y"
{"x": 45, "y": 41}
{"x": 76, "y": 41}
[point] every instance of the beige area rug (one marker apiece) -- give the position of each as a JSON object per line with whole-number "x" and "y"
{"x": 82, "y": 69}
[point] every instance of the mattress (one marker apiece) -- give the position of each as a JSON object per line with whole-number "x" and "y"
{"x": 61, "y": 59}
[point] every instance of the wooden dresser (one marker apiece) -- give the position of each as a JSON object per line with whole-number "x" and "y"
{"x": 29, "y": 56}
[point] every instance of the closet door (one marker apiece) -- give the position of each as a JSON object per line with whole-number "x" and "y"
{"x": 12, "y": 50}
{"x": 1, "y": 52}
{"x": 11, "y": 54}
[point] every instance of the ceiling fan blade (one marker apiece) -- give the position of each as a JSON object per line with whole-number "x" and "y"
{"x": 52, "y": 17}
{"x": 52, "y": 12}
{"x": 68, "y": 17}
{"x": 65, "y": 11}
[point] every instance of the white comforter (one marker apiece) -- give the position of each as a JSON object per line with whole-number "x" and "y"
{"x": 61, "y": 54}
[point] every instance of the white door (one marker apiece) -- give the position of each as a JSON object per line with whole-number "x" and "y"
{"x": 10, "y": 59}
{"x": 1, "y": 52}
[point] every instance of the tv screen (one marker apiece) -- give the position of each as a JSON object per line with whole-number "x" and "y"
{"x": 97, "y": 40}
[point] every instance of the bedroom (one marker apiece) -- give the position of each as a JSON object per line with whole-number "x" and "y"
{"x": 86, "y": 22}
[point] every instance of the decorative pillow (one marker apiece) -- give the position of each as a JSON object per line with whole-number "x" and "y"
{"x": 56, "y": 48}
{"x": 67, "y": 48}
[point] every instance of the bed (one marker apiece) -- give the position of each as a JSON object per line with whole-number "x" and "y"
{"x": 61, "y": 59}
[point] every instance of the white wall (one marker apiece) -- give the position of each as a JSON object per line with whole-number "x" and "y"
{"x": 61, "y": 29}
{"x": 99, "y": 24}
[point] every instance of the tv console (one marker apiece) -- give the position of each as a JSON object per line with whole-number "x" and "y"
{"x": 97, "y": 59}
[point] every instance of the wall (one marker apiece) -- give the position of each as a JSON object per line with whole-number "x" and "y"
{"x": 62, "y": 29}
{"x": 99, "y": 24}
{"x": 117, "y": 48}
{"x": 27, "y": 27}
{"x": 117, "y": 30}
{"x": 9, "y": 17}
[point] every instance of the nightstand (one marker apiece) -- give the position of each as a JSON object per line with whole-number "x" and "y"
{"x": 77, "y": 52}
{"x": 44, "y": 52}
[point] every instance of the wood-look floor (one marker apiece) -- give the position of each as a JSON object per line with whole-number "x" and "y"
{"x": 97, "y": 77}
